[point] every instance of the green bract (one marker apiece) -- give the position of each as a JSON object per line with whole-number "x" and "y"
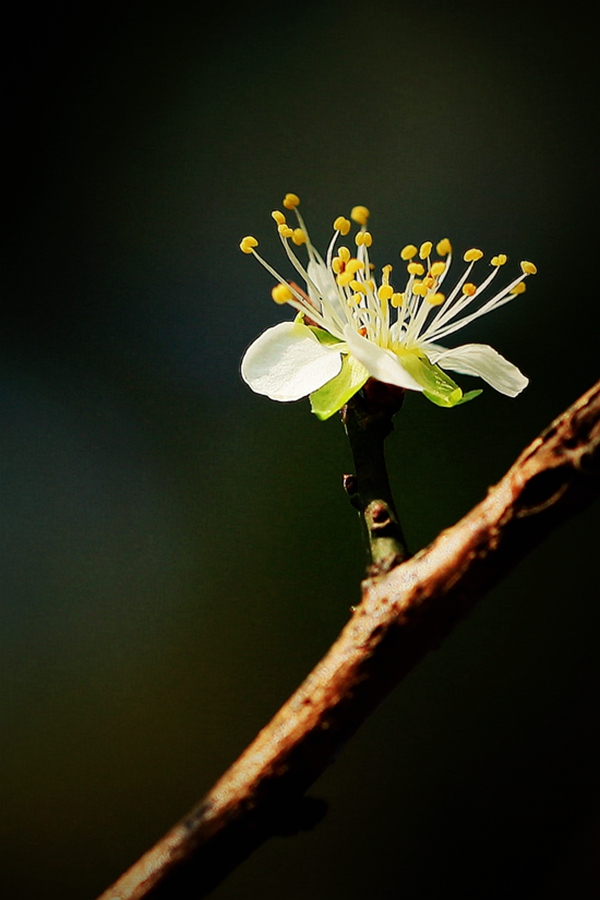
{"x": 333, "y": 395}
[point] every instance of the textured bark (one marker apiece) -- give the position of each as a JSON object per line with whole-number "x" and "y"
{"x": 403, "y": 614}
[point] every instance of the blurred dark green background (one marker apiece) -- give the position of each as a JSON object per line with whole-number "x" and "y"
{"x": 177, "y": 551}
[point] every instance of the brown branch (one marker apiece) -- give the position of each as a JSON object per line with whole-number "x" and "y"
{"x": 403, "y": 614}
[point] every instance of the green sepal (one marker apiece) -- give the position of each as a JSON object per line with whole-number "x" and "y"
{"x": 333, "y": 395}
{"x": 470, "y": 395}
{"x": 447, "y": 401}
{"x": 456, "y": 398}
{"x": 438, "y": 387}
{"x": 323, "y": 337}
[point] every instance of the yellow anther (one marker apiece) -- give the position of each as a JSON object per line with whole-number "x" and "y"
{"x": 248, "y": 243}
{"x": 385, "y": 292}
{"x": 437, "y": 268}
{"x": 291, "y": 201}
{"x": 342, "y": 225}
{"x": 528, "y": 267}
{"x": 425, "y": 249}
{"x": 472, "y": 255}
{"x": 419, "y": 288}
{"x": 469, "y": 289}
{"x": 444, "y": 247}
{"x": 397, "y": 300}
{"x": 408, "y": 252}
{"x": 429, "y": 282}
{"x": 364, "y": 237}
{"x": 354, "y": 265}
{"x": 338, "y": 263}
{"x": 519, "y": 288}
{"x": 499, "y": 260}
{"x": 278, "y": 216}
{"x": 360, "y": 215}
{"x": 344, "y": 279}
{"x": 354, "y": 300}
{"x": 415, "y": 268}
{"x": 299, "y": 237}
{"x": 281, "y": 293}
{"x": 357, "y": 286}
{"x": 285, "y": 231}
{"x": 436, "y": 299}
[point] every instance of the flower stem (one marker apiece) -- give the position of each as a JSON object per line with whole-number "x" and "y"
{"x": 367, "y": 418}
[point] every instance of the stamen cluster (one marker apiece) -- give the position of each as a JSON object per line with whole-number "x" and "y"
{"x": 342, "y": 290}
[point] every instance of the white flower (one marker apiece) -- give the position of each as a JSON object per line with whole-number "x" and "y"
{"x": 349, "y": 328}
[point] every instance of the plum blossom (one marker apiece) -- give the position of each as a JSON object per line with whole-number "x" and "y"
{"x": 351, "y": 325}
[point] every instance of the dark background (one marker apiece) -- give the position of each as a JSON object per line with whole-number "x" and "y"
{"x": 177, "y": 551}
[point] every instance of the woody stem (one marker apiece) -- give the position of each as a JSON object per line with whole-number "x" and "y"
{"x": 367, "y": 418}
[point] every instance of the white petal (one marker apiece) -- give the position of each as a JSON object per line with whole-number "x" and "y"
{"x": 485, "y": 362}
{"x": 381, "y": 364}
{"x": 287, "y": 362}
{"x": 322, "y": 278}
